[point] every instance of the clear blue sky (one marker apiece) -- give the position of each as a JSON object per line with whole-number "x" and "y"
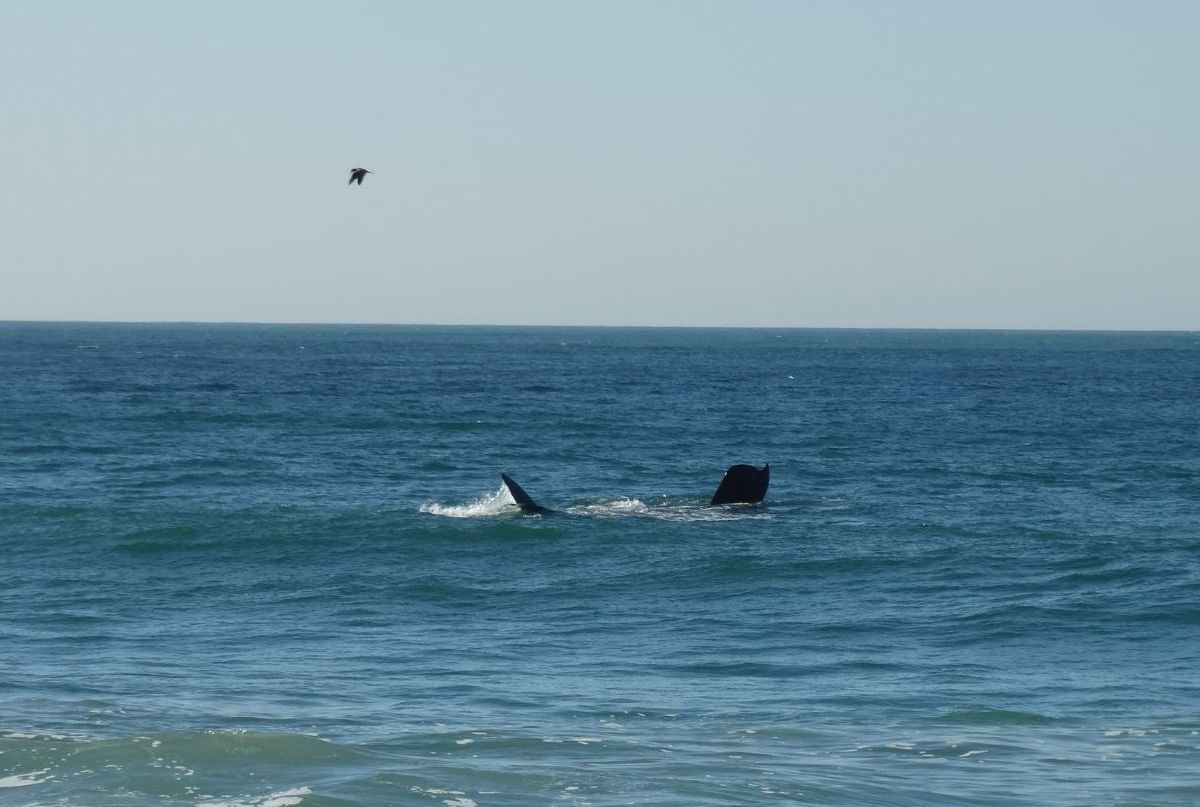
{"x": 659, "y": 162}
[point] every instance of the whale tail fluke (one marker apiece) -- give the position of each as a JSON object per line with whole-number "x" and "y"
{"x": 523, "y": 499}
{"x": 743, "y": 484}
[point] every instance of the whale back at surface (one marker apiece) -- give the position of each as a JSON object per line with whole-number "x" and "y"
{"x": 742, "y": 484}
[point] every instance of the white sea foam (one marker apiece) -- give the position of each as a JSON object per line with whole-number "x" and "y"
{"x": 460, "y": 798}
{"x": 614, "y": 507}
{"x": 500, "y": 502}
{"x": 284, "y": 798}
{"x": 287, "y": 798}
{"x": 666, "y": 512}
{"x": 690, "y": 513}
{"x": 1128, "y": 732}
{"x": 492, "y": 504}
{"x": 26, "y": 779}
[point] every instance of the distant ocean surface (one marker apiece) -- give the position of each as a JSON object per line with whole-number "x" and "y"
{"x": 268, "y": 566}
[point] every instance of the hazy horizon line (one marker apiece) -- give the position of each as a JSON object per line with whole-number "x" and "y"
{"x": 384, "y": 324}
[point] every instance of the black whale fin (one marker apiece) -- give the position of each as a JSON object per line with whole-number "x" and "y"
{"x": 743, "y": 484}
{"x": 521, "y": 497}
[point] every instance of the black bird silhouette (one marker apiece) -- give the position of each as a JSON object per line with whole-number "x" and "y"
{"x": 358, "y": 175}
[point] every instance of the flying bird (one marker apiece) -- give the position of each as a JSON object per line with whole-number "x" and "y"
{"x": 358, "y": 175}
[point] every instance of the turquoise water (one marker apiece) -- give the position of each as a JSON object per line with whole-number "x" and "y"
{"x": 263, "y": 566}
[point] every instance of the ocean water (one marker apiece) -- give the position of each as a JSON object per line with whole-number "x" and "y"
{"x": 266, "y": 566}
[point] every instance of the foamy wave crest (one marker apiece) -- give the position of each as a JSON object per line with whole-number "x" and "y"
{"x": 688, "y": 513}
{"x": 492, "y": 504}
{"x": 26, "y": 779}
{"x": 615, "y": 507}
{"x": 285, "y": 798}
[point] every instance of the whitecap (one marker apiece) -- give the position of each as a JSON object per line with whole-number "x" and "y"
{"x": 284, "y": 798}
{"x": 492, "y": 504}
{"x": 614, "y": 507}
{"x": 26, "y": 779}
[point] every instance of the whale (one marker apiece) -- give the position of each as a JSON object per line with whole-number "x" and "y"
{"x": 523, "y": 499}
{"x": 742, "y": 484}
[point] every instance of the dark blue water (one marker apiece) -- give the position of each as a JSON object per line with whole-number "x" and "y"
{"x": 263, "y": 566}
